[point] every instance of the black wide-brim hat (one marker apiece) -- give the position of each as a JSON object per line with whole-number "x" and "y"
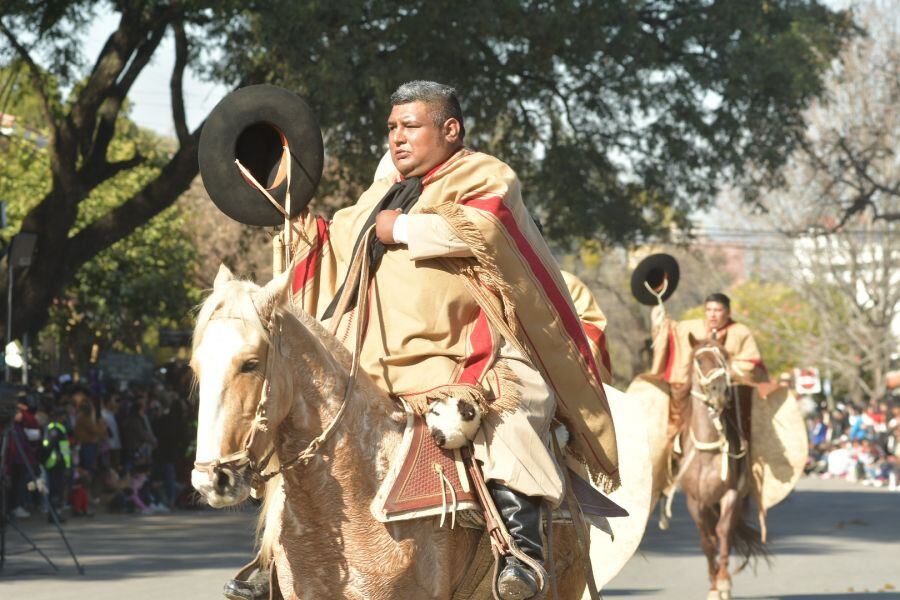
{"x": 253, "y": 124}
{"x": 660, "y": 272}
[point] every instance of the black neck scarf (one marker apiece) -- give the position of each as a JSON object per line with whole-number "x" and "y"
{"x": 402, "y": 195}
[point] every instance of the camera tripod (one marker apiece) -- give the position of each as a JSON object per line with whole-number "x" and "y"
{"x": 5, "y": 436}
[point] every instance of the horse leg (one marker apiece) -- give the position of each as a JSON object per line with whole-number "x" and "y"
{"x": 730, "y": 513}
{"x": 704, "y": 521}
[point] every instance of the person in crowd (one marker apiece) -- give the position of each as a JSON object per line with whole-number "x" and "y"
{"x": 21, "y": 458}
{"x": 172, "y": 433}
{"x": 841, "y": 460}
{"x": 57, "y": 457}
{"x": 114, "y": 438}
{"x": 138, "y": 440}
{"x": 90, "y": 433}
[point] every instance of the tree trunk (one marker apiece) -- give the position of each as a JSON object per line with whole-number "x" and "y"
{"x": 58, "y": 257}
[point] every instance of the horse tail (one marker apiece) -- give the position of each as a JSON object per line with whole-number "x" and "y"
{"x": 747, "y": 542}
{"x": 267, "y": 525}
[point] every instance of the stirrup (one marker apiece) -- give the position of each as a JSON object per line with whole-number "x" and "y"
{"x": 247, "y": 585}
{"x": 516, "y": 581}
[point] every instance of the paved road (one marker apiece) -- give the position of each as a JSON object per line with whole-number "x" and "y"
{"x": 829, "y": 540}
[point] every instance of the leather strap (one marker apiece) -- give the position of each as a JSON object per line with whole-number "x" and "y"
{"x": 501, "y": 540}
{"x": 362, "y": 264}
{"x": 581, "y": 531}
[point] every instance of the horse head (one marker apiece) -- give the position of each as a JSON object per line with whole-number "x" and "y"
{"x": 236, "y": 343}
{"x": 710, "y": 378}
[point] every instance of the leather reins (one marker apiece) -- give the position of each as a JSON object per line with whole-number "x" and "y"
{"x": 257, "y": 449}
{"x": 721, "y": 444}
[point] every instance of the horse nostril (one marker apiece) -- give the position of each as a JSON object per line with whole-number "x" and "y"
{"x": 222, "y": 481}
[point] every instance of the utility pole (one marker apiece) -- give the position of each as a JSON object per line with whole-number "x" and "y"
{"x": 21, "y": 251}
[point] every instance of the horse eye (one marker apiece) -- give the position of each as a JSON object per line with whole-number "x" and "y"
{"x": 249, "y": 366}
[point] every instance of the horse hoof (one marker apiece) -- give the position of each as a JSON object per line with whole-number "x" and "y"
{"x": 712, "y": 595}
{"x": 664, "y": 524}
{"x": 723, "y": 586}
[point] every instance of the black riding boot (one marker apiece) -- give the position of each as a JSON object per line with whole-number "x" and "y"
{"x": 255, "y": 587}
{"x": 522, "y": 517}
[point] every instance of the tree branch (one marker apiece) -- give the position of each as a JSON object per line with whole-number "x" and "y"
{"x": 175, "y": 84}
{"x": 106, "y": 78}
{"x": 157, "y": 195}
{"x": 112, "y": 60}
{"x": 95, "y": 144}
{"x": 38, "y": 78}
{"x": 107, "y": 170}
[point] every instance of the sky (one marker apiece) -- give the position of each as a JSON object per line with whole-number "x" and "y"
{"x": 150, "y": 94}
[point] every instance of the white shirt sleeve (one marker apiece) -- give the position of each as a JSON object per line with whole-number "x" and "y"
{"x": 401, "y": 229}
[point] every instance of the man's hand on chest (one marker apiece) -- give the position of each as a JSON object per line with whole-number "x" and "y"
{"x": 385, "y": 229}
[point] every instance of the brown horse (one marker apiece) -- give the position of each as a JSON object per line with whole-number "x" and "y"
{"x": 271, "y": 377}
{"x": 714, "y": 469}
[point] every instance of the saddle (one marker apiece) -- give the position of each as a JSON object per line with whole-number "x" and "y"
{"x": 425, "y": 480}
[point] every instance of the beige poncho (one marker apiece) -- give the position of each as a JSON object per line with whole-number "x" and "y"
{"x": 436, "y": 323}
{"x": 672, "y": 350}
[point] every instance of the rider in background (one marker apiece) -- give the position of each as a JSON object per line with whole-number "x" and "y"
{"x": 672, "y": 349}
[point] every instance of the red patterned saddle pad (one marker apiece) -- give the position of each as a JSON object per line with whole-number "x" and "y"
{"x": 415, "y": 486}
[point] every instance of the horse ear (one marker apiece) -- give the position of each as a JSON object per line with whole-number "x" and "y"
{"x": 223, "y": 276}
{"x": 693, "y": 341}
{"x": 276, "y": 293}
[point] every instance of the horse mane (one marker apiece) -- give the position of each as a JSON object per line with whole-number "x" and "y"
{"x": 235, "y": 299}
{"x": 245, "y": 300}
{"x": 325, "y": 337}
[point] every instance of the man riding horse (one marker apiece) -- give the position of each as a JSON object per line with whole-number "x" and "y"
{"x": 672, "y": 350}
{"x": 466, "y": 304}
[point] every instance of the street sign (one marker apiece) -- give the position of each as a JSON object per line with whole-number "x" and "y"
{"x": 807, "y": 381}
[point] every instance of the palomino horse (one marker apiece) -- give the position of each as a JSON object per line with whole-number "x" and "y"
{"x": 714, "y": 472}
{"x": 271, "y": 378}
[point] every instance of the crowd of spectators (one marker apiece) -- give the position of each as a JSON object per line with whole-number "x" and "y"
{"x": 99, "y": 445}
{"x": 857, "y": 443}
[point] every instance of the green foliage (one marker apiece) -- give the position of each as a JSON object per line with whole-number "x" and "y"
{"x": 619, "y": 116}
{"x": 138, "y": 285}
{"x": 24, "y": 180}
{"x": 130, "y": 290}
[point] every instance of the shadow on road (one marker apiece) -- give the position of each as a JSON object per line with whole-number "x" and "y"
{"x": 847, "y": 596}
{"x": 115, "y": 546}
{"x": 857, "y": 514}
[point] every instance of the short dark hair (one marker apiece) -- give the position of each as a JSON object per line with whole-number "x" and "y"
{"x": 442, "y": 99}
{"x": 720, "y": 298}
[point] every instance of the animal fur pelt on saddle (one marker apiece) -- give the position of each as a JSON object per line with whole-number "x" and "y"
{"x": 453, "y": 422}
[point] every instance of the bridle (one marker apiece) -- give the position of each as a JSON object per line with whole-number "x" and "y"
{"x": 257, "y": 448}
{"x": 702, "y": 389}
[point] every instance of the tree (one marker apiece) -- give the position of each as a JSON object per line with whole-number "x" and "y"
{"x": 846, "y": 164}
{"x": 620, "y": 116}
{"x": 840, "y": 208}
{"x": 128, "y": 290}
